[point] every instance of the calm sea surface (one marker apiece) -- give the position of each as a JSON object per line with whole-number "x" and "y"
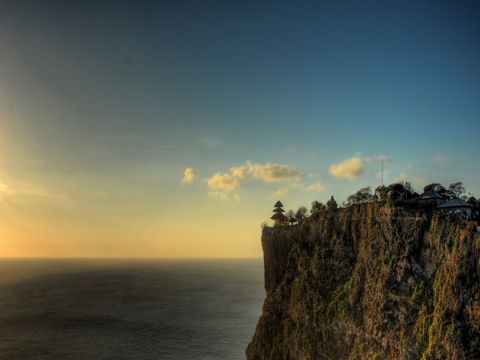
{"x": 140, "y": 309}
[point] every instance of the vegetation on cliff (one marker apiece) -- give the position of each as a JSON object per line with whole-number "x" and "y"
{"x": 372, "y": 280}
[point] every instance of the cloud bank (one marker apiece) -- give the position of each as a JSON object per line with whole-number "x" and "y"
{"x": 5, "y": 191}
{"x": 385, "y": 158}
{"x": 317, "y": 187}
{"x": 283, "y": 192}
{"x": 224, "y": 195}
{"x": 3, "y": 188}
{"x": 223, "y": 185}
{"x": 401, "y": 177}
{"x": 226, "y": 182}
{"x": 274, "y": 172}
{"x": 350, "y": 169}
{"x": 267, "y": 172}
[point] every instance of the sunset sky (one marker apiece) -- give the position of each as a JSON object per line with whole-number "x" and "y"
{"x": 170, "y": 128}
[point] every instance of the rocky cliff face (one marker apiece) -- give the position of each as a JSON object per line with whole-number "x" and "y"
{"x": 368, "y": 282}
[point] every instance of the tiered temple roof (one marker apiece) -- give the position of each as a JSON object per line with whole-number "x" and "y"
{"x": 455, "y": 204}
{"x": 430, "y": 195}
{"x": 278, "y": 215}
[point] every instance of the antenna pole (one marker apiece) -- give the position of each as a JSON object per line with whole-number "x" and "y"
{"x": 382, "y": 172}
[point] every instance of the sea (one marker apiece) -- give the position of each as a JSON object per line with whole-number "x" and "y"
{"x": 92, "y": 309}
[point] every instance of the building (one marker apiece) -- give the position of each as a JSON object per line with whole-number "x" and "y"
{"x": 456, "y": 204}
{"x": 278, "y": 214}
{"x": 432, "y": 197}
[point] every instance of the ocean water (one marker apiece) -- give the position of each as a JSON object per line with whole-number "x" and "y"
{"x": 128, "y": 309}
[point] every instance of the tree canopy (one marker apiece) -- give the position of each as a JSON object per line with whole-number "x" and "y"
{"x": 332, "y": 204}
{"x": 361, "y": 196}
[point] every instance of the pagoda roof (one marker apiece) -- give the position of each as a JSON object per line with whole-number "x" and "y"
{"x": 430, "y": 195}
{"x": 278, "y": 210}
{"x": 455, "y": 203}
{"x": 278, "y": 204}
{"x": 278, "y": 216}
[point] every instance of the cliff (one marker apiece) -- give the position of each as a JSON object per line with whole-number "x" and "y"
{"x": 370, "y": 282}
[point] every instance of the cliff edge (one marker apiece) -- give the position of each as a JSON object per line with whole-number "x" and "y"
{"x": 370, "y": 282}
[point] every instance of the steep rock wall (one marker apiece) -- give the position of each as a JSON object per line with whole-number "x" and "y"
{"x": 368, "y": 282}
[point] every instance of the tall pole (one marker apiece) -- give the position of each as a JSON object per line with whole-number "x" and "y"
{"x": 382, "y": 172}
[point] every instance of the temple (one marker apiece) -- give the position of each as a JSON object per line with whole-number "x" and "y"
{"x": 278, "y": 216}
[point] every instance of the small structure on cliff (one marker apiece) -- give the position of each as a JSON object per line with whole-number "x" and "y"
{"x": 278, "y": 214}
{"x": 454, "y": 204}
{"x": 430, "y": 196}
{"x": 459, "y": 208}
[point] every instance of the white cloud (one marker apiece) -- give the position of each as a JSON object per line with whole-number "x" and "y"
{"x": 5, "y": 191}
{"x": 401, "y": 177}
{"x": 225, "y": 182}
{"x": 350, "y": 169}
{"x": 439, "y": 158}
{"x": 317, "y": 187}
{"x": 385, "y": 158}
{"x": 274, "y": 172}
{"x": 3, "y": 188}
{"x": 224, "y": 195}
{"x": 267, "y": 172}
{"x": 419, "y": 182}
{"x": 283, "y": 192}
{"x": 239, "y": 171}
{"x": 189, "y": 175}
{"x": 21, "y": 191}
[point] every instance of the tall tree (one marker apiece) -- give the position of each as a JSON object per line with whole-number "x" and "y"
{"x": 332, "y": 204}
{"x": 438, "y": 188}
{"x": 317, "y": 208}
{"x": 291, "y": 217}
{"x": 301, "y": 213}
{"x": 456, "y": 189}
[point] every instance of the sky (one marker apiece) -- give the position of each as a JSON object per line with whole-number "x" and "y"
{"x": 170, "y": 128}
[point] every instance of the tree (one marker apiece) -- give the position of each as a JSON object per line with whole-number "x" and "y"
{"x": 291, "y": 217}
{"x": 301, "y": 214}
{"x": 395, "y": 192}
{"x": 456, "y": 189}
{"x": 472, "y": 199}
{"x": 361, "y": 196}
{"x": 408, "y": 186}
{"x": 317, "y": 208}
{"x": 332, "y": 204}
{"x": 401, "y": 191}
{"x": 382, "y": 193}
{"x": 438, "y": 188}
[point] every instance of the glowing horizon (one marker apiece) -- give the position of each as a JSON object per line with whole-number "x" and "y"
{"x": 165, "y": 131}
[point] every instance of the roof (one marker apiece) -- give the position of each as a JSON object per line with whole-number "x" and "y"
{"x": 430, "y": 195}
{"x": 455, "y": 203}
{"x": 278, "y": 204}
{"x": 278, "y": 216}
{"x": 278, "y": 210}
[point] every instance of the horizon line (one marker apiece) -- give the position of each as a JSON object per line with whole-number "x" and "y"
{"x": 127, "y": 258}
